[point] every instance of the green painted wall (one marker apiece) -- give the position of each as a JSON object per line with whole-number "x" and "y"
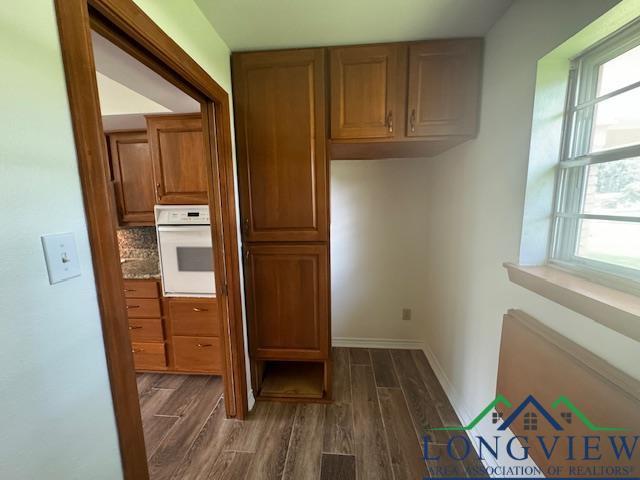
{"x": 54, "y": 393}
{"x": 183, "y": 21}
{"x": 58, "y": 419}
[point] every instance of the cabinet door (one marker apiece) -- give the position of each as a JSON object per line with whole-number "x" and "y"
{"x": 364, "y": 97}
{"x": 177, "y": 150}
{"x": 288, "y": 301}
{"x": 133, "y": 177}
{"x": 444, "y": 87}
{"x": 281, "y": 137}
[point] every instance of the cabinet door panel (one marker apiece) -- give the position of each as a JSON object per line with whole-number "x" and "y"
{"x": 364, "y": 96}
{"x": 282, "y": 164}
{"x": 197, "y": 354}
{"x": 132, "y": 177}
{"x": 287, "y": 289}
{"x": 177, "y": 149}
{"x": 444, "y": 87}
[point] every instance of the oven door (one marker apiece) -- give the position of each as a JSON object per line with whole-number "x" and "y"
{"x": 186, "y": 260}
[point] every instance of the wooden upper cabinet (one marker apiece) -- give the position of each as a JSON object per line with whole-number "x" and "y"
{"x": 365, "y": 101}
{"x": 177, "y": 151}
{"x": 281, "y": 139}
{"x": 288, "y": 301}
{"x": 444, "y": 87}
{"x": 132, "y": 177}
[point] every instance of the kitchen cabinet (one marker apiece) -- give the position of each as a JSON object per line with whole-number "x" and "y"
{"x": 281, "y": 131}
{"x": 194, "y": 335}
{"x": 281, "y": 136}
{"x": 176, "y": 143}
{"x": 444, "y": 88}
{"x": 197, "y": 354}
{"x": 132, "y": 177}
{"x": 149, "y": 356}
{"x": 365, "y": 99}
{"x": 146, "y": 333}
{"x": 433, "y": 107}
{"x": 174, "y": 334}
{"x": 288, "y": 306}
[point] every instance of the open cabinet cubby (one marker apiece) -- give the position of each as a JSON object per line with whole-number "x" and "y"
{"x": 294, "y": 380}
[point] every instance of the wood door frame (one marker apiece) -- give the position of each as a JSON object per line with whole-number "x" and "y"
{"x": 124, "y": 23}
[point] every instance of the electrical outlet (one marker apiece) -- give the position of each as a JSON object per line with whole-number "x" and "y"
{"x": 406, "y": 314}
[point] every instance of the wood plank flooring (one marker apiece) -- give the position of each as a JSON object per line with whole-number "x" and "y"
{"x": 384, "y": 403}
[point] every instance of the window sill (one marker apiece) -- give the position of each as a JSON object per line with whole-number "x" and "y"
{"x": 612, "y": 308}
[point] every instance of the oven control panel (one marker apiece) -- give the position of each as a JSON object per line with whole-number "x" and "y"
{"x": 182, "y": 215}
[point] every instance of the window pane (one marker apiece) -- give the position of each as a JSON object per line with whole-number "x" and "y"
{"x": 619, "y": 72}
{"x": 613, "y": 188}
{"x": 610, "y": 242}
{"x": 616, "y": 122}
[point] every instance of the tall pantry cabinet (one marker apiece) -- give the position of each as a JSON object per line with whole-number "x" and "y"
{"x": 281, "y": 128}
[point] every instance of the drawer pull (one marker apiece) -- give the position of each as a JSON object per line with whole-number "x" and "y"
{"x": 129, "y": 307}
{"x": 135, "y": 327}
{"x": 137, "y": 350}
{"x": 203, "y": 345}
{"x": 129, "y": 290}
{"x": 196, "y": 309}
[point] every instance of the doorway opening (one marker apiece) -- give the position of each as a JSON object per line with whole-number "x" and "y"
{"x": 152, "y": 134}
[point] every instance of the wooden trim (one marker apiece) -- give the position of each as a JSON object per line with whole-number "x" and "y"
{"x": 536, "y": 360}
{"x": 612, "y": 308}
{"x": 130, "y": 28}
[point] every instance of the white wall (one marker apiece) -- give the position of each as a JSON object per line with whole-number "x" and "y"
{"x": 377, "y": 233}
{"x": 55, "y": 399}
{"x": 475, "y": 210}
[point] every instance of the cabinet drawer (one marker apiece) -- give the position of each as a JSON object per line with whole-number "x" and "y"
{"x": 145, "y": 330}
{"x": 197, "y": 354}
{"x": 149, "y": 356}
{"x": 143, "y": 308}
{"x": 141, "y": 289}
{"x": 194, "y": 317}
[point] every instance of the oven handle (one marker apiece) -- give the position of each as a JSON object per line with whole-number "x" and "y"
{"x": 183, "y": 228}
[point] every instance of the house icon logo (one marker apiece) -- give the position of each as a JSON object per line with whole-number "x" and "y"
{"x": 558, "y": 444}
{"x": 533, "y": 412}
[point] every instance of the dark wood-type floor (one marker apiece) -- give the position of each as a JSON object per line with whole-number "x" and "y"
{"x": 385, "y": 402}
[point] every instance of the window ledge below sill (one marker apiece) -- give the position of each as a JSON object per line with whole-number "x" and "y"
{"x": 612, "y": 308}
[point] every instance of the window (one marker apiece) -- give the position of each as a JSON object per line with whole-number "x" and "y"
{"x": 530, "y": 421}
{"x": 596, "y": 228}
{"x": 496, "y": 416}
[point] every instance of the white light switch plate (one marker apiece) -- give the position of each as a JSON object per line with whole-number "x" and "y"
{"x": 61, "y": 255}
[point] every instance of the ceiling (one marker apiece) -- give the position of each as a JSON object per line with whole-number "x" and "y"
{"x": 128, "y": 89}
{"x": 261, "y": 24}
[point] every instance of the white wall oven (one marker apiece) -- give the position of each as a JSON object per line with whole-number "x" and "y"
{"x": 186, "y": 251}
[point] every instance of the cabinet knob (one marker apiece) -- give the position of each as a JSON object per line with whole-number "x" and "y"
{"x": 412, "y": 120}
{"x": 390, "y": 121}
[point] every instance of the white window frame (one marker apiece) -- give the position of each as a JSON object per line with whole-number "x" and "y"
{"x": 572, "y": 168}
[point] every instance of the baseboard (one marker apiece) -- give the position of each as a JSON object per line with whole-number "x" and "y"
{"x": 251, "y": 400}
{"x": 456, "y": 402}
{"x": 376, "y": 343}
{"x": 465, "y": 418}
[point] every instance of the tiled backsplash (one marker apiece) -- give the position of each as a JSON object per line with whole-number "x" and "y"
{"x": 138, "y": 243}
